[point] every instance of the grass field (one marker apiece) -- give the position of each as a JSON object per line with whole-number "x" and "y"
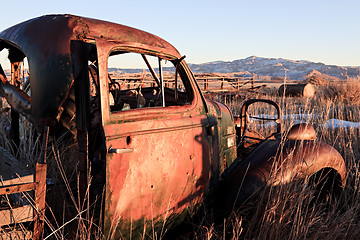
{"x": 293, "y": 211}
{"x": 286, "y": 212}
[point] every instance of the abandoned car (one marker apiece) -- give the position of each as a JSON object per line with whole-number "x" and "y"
{"x": 154, "y": 144}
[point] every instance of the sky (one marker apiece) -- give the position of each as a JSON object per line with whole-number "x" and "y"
{"x": 324, "y": 31}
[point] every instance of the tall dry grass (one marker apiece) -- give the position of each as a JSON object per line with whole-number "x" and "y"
{"x": 66, "y": 217}
{"x": 294, "y": 211}
{"x": 291, "y": 211}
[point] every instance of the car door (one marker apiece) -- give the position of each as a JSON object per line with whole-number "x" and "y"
{"x": 157, "y": 163}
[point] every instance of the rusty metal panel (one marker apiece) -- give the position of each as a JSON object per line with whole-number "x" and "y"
{"x": 161, "y": 173}
{"x": 158, "y": 161}
{"x": 274, "y": 162}
{"x": 46, "y": 43}
{"x": 226, "y": 133}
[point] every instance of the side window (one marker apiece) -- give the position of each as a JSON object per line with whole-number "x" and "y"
{"x": 15, "y": 78}
{"x": 143, "y": 81}
{"x": 17, "y": 73}
{"x": 15, "y": 93}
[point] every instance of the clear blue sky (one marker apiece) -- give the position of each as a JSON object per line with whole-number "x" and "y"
{"x": 325, "y": 31}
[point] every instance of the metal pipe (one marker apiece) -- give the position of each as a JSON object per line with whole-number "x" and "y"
{"x": 176, "y": 83}
{"x": 151, "y": 70}
{"x": 161, "y": 84}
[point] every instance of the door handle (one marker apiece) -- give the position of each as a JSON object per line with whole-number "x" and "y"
{"x": 119, "y": 150}
{"x": 210, "y": 130}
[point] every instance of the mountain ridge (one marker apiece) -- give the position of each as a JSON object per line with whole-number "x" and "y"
{"x": 277, "y": 67}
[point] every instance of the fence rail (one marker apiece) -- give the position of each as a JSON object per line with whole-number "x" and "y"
{"x": 206, "y": 84}
{"x": 219, "y": 84}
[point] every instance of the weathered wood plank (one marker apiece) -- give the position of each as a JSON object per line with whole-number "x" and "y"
{"x": 18, "y": 180}
{"x": 16, "y": 215}
{"x": 16, "y": 235}
{"x": 40, "y": 194}
{"x": 10, "y": 167}
{"x": 18, "y": 188}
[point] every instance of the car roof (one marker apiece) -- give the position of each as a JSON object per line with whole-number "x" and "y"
{"x": 47, "y": 43}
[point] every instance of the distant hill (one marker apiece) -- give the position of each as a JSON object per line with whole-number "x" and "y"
{"x": 277, "y": 67}
{"x": 266, "y": 68}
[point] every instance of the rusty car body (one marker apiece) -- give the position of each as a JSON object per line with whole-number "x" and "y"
{"x": 160, "y": 147}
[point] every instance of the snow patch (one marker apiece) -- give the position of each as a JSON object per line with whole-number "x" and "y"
{"x": 336, "y": 123}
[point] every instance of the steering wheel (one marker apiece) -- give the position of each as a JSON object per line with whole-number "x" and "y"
{"x": 246, "y": 133}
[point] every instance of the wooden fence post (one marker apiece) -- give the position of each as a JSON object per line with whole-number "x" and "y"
{"x": 40, "y": 192}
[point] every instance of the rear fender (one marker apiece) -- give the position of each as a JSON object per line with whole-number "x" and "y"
{"x": 302, "y": 159}
{"x": 274, "y": 162}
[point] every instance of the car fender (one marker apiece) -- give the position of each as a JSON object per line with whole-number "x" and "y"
{"x": 276, "y": 162}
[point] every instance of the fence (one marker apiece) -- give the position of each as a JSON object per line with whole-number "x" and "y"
{"x": 225, "y": 84}
{"x": 206, "y": 84}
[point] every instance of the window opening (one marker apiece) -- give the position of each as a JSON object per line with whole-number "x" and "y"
{"x": 143, "y": 81}
{"x": 15, "y": 92}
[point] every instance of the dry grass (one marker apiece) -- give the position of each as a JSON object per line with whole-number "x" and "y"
{"x": 293, "y": 211}
{"x": 342, "y": 92}
{"x": 286, "y": 212}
